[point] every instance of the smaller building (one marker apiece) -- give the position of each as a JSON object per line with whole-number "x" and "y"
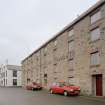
{"x": 10, "y": 75}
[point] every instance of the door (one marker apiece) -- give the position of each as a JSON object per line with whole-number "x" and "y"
{"x": 60, "y": 89}
{"x": 14, "y": 82}
{"x": 98, "y": 85}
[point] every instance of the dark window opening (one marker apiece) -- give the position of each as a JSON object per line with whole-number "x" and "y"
{"x": 14, "y": 73}
{"x": 45, "y": 75}
{"x": 14, "y": 82}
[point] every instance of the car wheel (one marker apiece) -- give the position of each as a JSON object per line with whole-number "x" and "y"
{"x": 51, "y": 91}
{"x": 65, "y": 93}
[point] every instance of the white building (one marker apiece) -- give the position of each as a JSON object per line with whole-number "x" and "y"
{"x": 10, "y": 75}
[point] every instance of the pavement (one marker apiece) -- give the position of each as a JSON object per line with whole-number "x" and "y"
{"x": 19, "y": 96}
{"x": 98, "y": 98}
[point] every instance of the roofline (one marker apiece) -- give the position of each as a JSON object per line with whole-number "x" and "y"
{"x": 14, "y": 70}
{"x": 10, "y": 65}
{"x": 13, "y": 65}
{"x": 83, "y": 15}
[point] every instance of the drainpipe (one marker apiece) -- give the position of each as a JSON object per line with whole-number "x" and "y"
{"x": 40, "y": 68}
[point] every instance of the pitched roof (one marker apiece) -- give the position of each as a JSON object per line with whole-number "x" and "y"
{"x": 13, "y": 67}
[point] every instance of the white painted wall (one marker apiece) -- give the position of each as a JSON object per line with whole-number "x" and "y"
{"x": 9, "y": 76}
{"x": 19, "y": 79}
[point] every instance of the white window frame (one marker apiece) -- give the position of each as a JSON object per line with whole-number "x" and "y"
{"x": 71, "y": 80}
{"x": 95, "y": 17}
{"x": 95, "y": 58}
{"x": 71, "y": 45}
{"x": 55, "y": 43}
{"x": 45, "y": 50}
{"x": 95, "y": 34}
{"x": 71, "y": 33}
{"x": 71, "y": 65}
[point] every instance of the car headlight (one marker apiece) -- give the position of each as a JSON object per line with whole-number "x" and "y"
{"x": 71, "y": 90}
{"x": 79, "y": 89}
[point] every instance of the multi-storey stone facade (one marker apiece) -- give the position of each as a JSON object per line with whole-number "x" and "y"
{"x": 76, "y": 55}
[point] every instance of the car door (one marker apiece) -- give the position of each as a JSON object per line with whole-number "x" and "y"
{"x": 59, "y": 89}
{"x": 55, "y": 89}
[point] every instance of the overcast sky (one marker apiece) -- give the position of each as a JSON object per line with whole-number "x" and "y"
{"x": 27, "y": 24}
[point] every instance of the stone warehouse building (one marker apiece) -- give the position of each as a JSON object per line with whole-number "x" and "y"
{"x": 76, "y": 55}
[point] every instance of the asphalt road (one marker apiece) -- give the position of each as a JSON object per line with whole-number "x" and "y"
{"x": 18, "y": 96}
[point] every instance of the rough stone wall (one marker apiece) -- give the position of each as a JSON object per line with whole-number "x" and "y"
{"x": 54, "y": 60}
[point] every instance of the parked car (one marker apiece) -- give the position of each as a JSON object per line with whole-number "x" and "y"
{"x": 34, "y": 86}
{"x": 29, "y": 87}
{"x": 64, "y": 88}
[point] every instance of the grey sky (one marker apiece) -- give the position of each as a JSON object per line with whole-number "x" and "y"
{"x": 27, "y": 24}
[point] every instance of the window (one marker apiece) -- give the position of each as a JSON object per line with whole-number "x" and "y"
{"x": 14, "y": 73}
{"x": 71, "y": 45}
{"x": 45, "y": 51}
{"x": 71, "y": 55}
{"x": 28, "y": 80}
{"x": 95, "y": 17}
{"x": 55, "y": 78}
{"x": 45, "y": 80}
{"x": 95, "y": 58}
{"x": 71, "y": 50}
{"x": 37, "y": 56}
{"x": 71, "y": 33}
{"x": 71, "y": 65}
{"x": 55, "y": 64}
{"x": 55, "y": 43}
{"x": 14, "y": 82}
{"x": 6, "y": 81}
{"x": 95, "y": 34}
{"x": 6, "y": 73}
{"x": 45, "y": 75}
{"x": 3, "y": 74}
{"x": 71, "y": 80}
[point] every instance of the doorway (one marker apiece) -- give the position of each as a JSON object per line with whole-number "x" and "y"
{"x": 97, "y": 85}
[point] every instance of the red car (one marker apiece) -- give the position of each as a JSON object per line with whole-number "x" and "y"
{"x": 66, "y": 89}
{"x": 34, "y": 86}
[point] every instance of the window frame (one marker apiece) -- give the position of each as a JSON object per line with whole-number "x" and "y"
{"x": 93, "y": 34}
{"x": 93, "y": 59}
{"x": 14, "y": 82}
{"x": 55, "y": 42}
{"x": 14, "y": 73}
{"x": 72, "y": 47}
{"x": 71, "y": 33}
{"x": 93, "y": 15}
{"x": 71, "y": 65}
